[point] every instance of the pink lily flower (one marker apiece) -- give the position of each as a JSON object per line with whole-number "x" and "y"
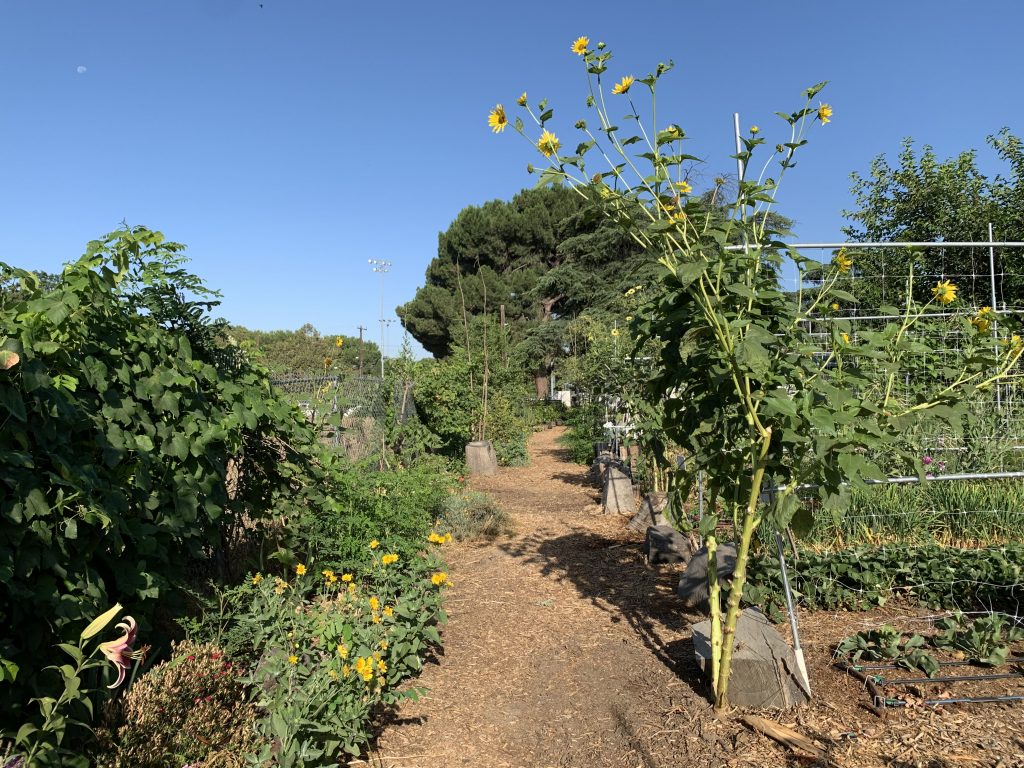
{"x": 119, "y": 652}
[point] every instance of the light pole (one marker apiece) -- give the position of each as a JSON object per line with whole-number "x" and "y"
{"x": 381, "y": 267}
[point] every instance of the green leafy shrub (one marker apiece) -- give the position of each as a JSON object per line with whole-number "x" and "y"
{"x": 122, "y": 416}
{"x": 473, "y": 515}
{"x": 331, "y": 647}
{"x": 888, "y": 644}
{"x": 189, "y": 708}
{"x": 585, "y": 428}
{"x": 985, "y": 641}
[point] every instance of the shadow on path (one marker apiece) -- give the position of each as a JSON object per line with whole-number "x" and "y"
{"x": 610, "y": 574}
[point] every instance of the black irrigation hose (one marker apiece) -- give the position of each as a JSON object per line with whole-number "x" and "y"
{"x": 954, "y": 679}
{"x": 866, "y": 667}
{"x": 941, "y": 702}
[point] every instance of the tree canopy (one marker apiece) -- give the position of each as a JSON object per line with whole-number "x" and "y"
{"x": 307, "y": 352}
{"x": 544, "y": 255}
{"x": 924, "y": 198}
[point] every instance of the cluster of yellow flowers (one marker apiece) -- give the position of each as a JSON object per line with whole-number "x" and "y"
{"x": 440, "y": 579}
{"x": 437, "y": 538}
{"x": 329, "y": 576}
{"x": 364, "y": 667}
{"x": 982, "y": 321}
{"x": 389, "y": 558}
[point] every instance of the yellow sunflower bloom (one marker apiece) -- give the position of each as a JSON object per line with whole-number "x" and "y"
{"x": 374, "y": 604}
{"x": 615, "y": 331}
{"x": 439, "y": 578}
{"x": 548, "y": 143}
{"x": 293, "y": 659}
{"x": 579, "y": 47}
{"x": 497, "y": 119}
{"x": 521, "y": 101}
{"x": 835, "y": 307}
{"x": 843, "y": 262}
{"x": 623, "y": 85}
{"x": 346, "y": 577}
{"x": 257, "y": 578}
{"x": 300, "y": 569}
{"x": 389, "y": 612}
{"x": 945, "y": 292}
{"x": 684, "y": 187}
{"x": 343, "y": 650}
{"x": 374, "y": 544}
{"x": 389, "y": 559}
{"x": 825, "y": 114}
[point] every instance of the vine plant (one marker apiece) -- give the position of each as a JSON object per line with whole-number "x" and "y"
{"x": 743, "y": 386}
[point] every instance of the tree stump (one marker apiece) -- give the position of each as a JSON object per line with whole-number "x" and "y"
{"x": 481, "y": 459}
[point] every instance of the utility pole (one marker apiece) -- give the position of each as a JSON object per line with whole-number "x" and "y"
{"x": 381, "y": 266}
{"x": 361, "y": 329}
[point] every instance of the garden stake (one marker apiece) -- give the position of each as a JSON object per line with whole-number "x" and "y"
{"x": 797, "y": 650}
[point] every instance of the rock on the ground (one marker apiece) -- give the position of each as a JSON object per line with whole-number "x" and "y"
{"x": 652, "y": 512}
{"x": 664, "y": 544}
{"x": 618, "y": 492}
{"x": 693, "y": 584}
{"x": 764, "y": 671}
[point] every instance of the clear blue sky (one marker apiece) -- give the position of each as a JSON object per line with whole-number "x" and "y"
{"x": 287, "y": 144}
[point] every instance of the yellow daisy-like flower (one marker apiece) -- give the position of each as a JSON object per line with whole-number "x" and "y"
{"x": 615, "y": 331}
{"x": 389, "y": 612}
{"x": 346, "y": 670}
{"x": 257, "y": 578}
{"x": 945, "y": 292}
{"x": 342, "y": 650}
{"x": 623, "y": 85}
{"x": 825, "y": 114}
{"x": 300, "y": 569}
{"x": 843, "y": 262}
{"x": 389, "y": 559}
{"x": 629, "y": 318}
{"x": 374, "y": 604}
{"x": 835, "y": 307}
{"x": 521, "y": 101}
{"x": 497, "y": 119}
{"x": 332, "y": 674}
{"x": 383, "y": 645}
{"x": 293, "y": 659}
{"x": 374, "y": 544}
{"x": 382, "y": 667}
{"x": 982, "y": 321}
{"x": 328, "y": 362}
{"x": 631, "y": 291}
{"x": 684, "y": 187}
{"x": 548, "y": 143}
{"x": 846, "y": 338}
{"x": 352, "y": 587}
{"x": 755, "y": 130}
{"x": 435, "y": 538}
{"x": 280, "y": 585}
{"x": 579, "y": 46}
{"x": 439, "y": 578}
{"x": 375, "y": 618}
{"x": 346, "y": 577}
{"x": 338, "y": 342}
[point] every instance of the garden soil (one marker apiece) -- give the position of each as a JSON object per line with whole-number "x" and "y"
{"x": 564, "y": 649}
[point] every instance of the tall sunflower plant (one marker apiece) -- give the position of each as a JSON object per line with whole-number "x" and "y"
{"x": 761, "y": 405}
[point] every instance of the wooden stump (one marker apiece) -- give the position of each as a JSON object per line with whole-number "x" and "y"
{"x": 480, "y": 458}
{"x": 618, "y": 492}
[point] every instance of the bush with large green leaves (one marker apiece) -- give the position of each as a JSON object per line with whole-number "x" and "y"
{"x": 134, "y": 443}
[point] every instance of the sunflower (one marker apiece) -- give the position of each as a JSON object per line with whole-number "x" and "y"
{"x": 548, "y": 143}
{"x": 497, "y": 119}
{"x": 945, "y": 292}
{"x": 843, "y": 262}
{"x": 521, "y": 101}
{"x": 579, "y": 47}
{"x": 684, "y": 187}
{"x": 825, "y": 113}
{"x": 623, "y": 85}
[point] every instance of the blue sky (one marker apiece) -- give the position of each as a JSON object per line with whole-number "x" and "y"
{"x": 289, "y": 143}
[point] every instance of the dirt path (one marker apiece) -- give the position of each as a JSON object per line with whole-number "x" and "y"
{"x": 564, "y": 649}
